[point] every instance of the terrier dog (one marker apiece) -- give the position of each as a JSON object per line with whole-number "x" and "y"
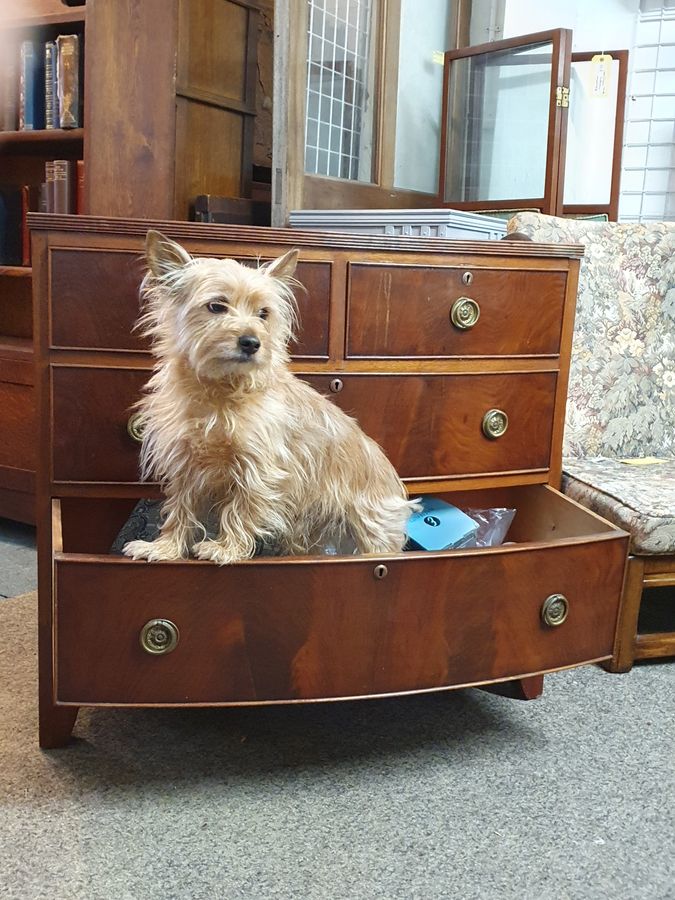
{"x": 234, "y": 437}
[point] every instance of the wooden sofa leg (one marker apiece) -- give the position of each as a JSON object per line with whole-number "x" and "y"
{"x": 626, "y": 632}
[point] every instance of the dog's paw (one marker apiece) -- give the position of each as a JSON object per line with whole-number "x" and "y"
{"x": 215, "y": 552}
{"x": 154, "y": 551}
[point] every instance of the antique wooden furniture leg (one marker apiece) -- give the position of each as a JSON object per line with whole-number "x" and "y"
{"x": 643, "y": 572}
{"x": 518, "y": 689}
{"x": 626, "y": 632}
{"x": 56, "y": 724}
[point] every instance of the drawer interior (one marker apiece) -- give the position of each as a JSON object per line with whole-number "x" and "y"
{"x": 543, "y": 515}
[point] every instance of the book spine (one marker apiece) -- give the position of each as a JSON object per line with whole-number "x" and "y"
{"x": 79, "y": 188}
{"x": 25, "y": 233}
{"x": 26, "y": 87}
{"x": 51, "y": 99}
{"x": 63, "y": 191}
{"x": 68, "y": 80}
{"x": 49, "y": 183}
{"x": 10, "y": 99}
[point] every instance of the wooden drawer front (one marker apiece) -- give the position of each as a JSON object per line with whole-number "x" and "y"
{"x": 95, "y": 302}
{"x": 431, "y": 425}
{"x": 295, "y": 629}
{"x": 91, "y": 409}
{"x": 406, "y": 311}
{"x": 428, "y": 425}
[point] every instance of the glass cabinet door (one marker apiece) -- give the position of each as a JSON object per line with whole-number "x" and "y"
{"x": 504, "y": 123}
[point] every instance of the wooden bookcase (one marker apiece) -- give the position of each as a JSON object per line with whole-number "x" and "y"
{"x": 169, "y": 113}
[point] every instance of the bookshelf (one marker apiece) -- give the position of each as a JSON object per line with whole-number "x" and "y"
{"x": 169, "y": 111}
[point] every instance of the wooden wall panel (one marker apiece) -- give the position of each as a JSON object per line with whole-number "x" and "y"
{"x": 130, "y": 107}
{"x": 209, "y": 147}
{"x": 217, "y": 67}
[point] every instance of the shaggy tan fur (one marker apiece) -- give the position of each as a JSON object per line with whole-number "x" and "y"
{"x": 237, "y": 439}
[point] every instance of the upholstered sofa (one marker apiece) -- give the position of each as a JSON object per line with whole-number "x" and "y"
{"x": 619, "y": 447}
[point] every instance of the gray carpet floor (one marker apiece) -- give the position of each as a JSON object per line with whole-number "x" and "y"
{"x": 459, "y": 795}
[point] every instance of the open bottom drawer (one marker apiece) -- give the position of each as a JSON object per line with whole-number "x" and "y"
{"x": 308, "y": 628}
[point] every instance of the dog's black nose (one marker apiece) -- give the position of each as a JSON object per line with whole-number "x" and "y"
{"x": 249, "y": 344}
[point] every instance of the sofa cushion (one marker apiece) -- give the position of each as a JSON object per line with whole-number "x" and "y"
{"x": 622, "y": 375}
{"x": 638, "y": 498}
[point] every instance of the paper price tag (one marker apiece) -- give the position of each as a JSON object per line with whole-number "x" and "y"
{"x": 438, "y": 57}
{"x": 601, "y": 73}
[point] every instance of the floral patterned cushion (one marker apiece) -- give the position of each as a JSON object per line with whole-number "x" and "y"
{"x": 621, "y": 399}
{"x": 639, "y": 499}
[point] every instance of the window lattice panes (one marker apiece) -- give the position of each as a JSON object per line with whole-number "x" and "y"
{"x": 340, "y": 72}
{"x": 648, "y": 176}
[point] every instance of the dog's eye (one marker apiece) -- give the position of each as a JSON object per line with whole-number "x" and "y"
{"x": 264, "y": 314}
{"x": 216, "y": 306}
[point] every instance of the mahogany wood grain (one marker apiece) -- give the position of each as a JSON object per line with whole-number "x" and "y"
{"x": 98, "y": 300}
{"x": 91, "y": 410}
{"x": 18, "y": 446}
{"x": 302, "y": 629}
{"x": 430, "y": 425}
{"x": 118, "y": 228}
{"x": 405, "y": 311}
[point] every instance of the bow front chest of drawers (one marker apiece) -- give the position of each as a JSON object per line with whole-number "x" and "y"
{"x": 452, "y": 355}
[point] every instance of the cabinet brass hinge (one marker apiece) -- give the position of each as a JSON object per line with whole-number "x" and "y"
{"x": 562, "y": 96}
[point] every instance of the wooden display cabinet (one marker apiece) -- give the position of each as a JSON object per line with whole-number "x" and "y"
{"x": 169, "y": 110}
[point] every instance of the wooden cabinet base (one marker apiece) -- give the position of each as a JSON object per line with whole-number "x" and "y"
{"x": 56, "y": 725}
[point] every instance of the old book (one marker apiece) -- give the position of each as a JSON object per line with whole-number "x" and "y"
{"x": 63, "y": 187}
{"x": 79, "y": 187}
{"x": 51, "y": 87}
{"x": 9, "y": 87}
{"x": 49, "y": 183}
{"x": 31, "y": 87}
{"x": 68, "y": 79}
{"x": 25, "y": 233}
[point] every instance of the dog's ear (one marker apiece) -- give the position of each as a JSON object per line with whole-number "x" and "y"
{"x": 284, "y": 266}
{"x": 163, "y": 255}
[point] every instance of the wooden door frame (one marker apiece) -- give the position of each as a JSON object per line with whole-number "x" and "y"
{"x": 291, "y": 188}
{"x": 611, "y": 209}
{"x": 551, "y": 202}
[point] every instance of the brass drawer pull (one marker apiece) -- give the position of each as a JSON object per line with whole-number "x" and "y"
{"x": 465, "y": 313}
{"x": 159, "y": 636}
{"x": 336, "y": 385}
{"x": 554, "y": 610}
{"x": 135, "y": 428}
{"x": 495, "y": 423}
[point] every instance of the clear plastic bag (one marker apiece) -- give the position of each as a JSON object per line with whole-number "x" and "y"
{"x": 493, "y": 525}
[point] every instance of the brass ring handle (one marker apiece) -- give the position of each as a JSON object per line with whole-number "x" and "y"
{"x": 495, "y": 423}
{"x": 159, "y": 636}
{"x": 135, "y": 428}
{"x": 465, "y": 313}
{"x": 554, "y": 610}
{"x": 336, "y": 385}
